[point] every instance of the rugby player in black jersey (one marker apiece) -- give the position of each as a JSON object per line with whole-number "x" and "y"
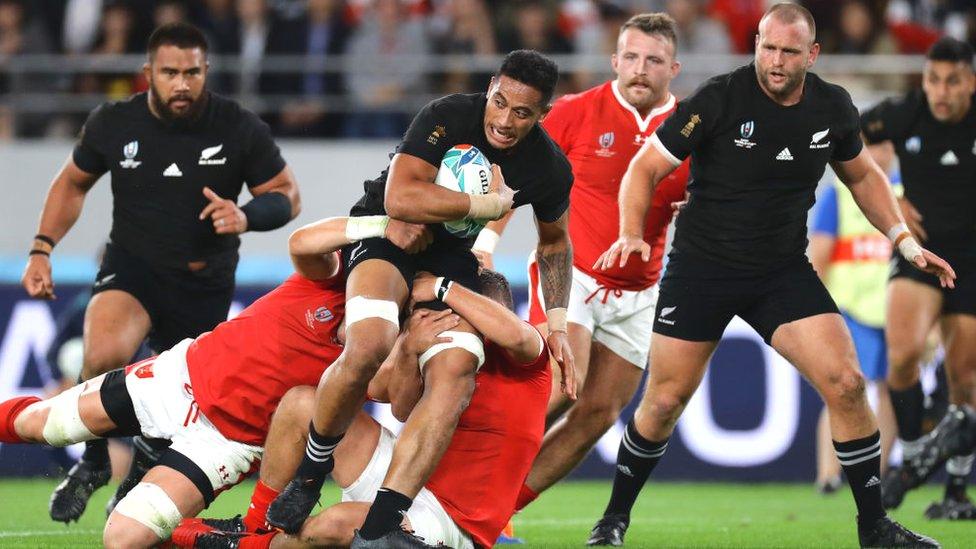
{"x": 503, "y": 124}
{"x": 759, "y": 139}
{"x": 179, "y": 157}
{"x": 933, "y": 133}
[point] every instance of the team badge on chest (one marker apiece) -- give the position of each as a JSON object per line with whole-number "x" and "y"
{"x": 605, "y": 140}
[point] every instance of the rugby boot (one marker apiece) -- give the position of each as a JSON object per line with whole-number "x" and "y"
{"x": 189, "y": 529}
{"x": 70, "y": 498}
{"x": 218, "y": 540}
{"x": 294, "y": 504}
{"x": 885, "y": 532}
{"x": 896, "y": 483}
{"x": 609, "y": 530}
{"x": 144, "y": 457}
{"x": 397, "y": 539}
{"x": 951, "y": 509}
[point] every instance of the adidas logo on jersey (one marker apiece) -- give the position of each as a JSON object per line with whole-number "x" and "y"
{"x": 784, "y": 154}
{"x": 625, "y": 470}
{"x": 873, "y": 481}
{"x": 949, "y": 159}
{"x": 207, "y": 156}
{"x": 172, "y": 171}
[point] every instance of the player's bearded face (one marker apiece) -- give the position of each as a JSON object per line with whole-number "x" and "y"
{"x": 513, "y": 109}
{"x": 645, "y": 65}
{"x": 784, "y": 53}
{"x": 949, "y": 89}
{"x": 177, "y": 78}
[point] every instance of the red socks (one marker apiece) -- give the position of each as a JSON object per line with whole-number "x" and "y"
{"x": 525, "y": 497}
{"x": 257, "y": 541}
{"x": 9, "y": 410}
{"x": 258, "y": 509}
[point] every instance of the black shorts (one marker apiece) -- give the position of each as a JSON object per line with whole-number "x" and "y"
{"x": 447, "y": 257}
{"x": 180, "y": 303}
{"x": 959, "y": 300}
{"x": 699, "y": 297}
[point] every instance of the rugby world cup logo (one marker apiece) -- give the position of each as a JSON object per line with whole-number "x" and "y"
{"x": 746, "y": 129}
{"x": 130, "y": 150}
{"x": 605, "y": 140}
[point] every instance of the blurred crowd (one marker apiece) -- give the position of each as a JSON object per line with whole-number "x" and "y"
{"x": 382, "y": 48}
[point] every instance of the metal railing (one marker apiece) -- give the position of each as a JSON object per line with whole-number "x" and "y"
{"x": 38, "y": 84}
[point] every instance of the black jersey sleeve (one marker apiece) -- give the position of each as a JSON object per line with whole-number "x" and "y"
{"x": 881, "y": 122}
{"x": 433, "y": 131}
{"x": 554, "y": 203}
{"x": 849, "y": 142}
{"x": 89, "y": 151}
{"x": 689, "y": 124}
{"x": 262, "y": 157}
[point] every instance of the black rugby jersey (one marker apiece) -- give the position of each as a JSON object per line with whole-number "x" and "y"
{"x": 755, "y": 165}
{"x": 938, "y": 166}
{"x": 159, "y": 170}
{"x": 535, "y": 167}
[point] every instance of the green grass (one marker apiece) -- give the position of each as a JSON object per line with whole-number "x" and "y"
{"x": 667, "y": 515}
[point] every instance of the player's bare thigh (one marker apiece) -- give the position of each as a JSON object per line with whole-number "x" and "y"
{"x": 959, "y": 338}
{"x": 124, "y": 531}
{"x": 115, "y": 325}
{"x": 821, "y": 349}
{"x": 356, "y": 449}
{"x": 29, "y": 425}
{"x": 913, "y": 308}
{"x": 676, "y": 369}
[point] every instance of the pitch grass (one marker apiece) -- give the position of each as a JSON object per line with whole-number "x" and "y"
{"x": 667, "y": 515}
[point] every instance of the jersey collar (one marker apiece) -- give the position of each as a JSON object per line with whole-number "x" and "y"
{"x": 642, "y": 123}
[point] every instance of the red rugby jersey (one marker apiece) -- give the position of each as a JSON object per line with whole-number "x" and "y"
{"x": 241, "y": 369}
{"x": 600, "y": 132}
{"x": 494, "y": 445}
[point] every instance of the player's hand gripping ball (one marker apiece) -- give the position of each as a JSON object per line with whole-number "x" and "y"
{"x": 465, "y": 169}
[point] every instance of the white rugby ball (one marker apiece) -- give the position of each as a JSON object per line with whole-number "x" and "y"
{"x": 464, "y": 169}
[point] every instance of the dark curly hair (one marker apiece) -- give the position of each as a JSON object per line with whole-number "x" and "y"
{"x": 532, "y": 69}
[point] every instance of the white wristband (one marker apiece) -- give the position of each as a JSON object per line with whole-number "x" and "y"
{"x": 441, "y": 289}
{"x": 896, "y": 230}
{"x": 556, "y": 319}
{"x": 368, "y": 226}
{"x": 486, "y": 241}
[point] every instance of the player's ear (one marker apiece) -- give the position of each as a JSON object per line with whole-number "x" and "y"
{"x": 814, "y": 52}
{"x": 147, "y": 70}
{"x": 675, "y": 68}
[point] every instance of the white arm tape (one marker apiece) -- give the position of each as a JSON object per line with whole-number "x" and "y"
{"x": 486, "y": 241}
{"x": 360, "y": 308}
{"x": 896, "y": 230}
{"x": 369, "y": 226}
{"x": 63, "y": 425}
{"x": 149, "y": 505}
{"x": 909, "y": 248}
{"x": 459, "y": 340}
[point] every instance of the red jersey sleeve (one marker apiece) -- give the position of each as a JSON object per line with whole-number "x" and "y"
{"x": 561, "y": 122}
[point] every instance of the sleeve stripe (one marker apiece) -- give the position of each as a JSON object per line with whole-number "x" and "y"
{"x": 656, "y": 142}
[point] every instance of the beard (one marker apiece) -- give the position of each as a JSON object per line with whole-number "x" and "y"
{"x": 171, "y": 116}
{"x": 792, "y": 82}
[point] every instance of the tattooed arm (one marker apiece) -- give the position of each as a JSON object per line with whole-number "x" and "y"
{"x": 555, "y": 258}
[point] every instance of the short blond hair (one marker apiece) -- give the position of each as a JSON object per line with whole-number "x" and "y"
{"x": 654, "y": 23}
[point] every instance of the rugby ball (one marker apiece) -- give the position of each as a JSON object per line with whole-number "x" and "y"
{"x": 464, "y": 169}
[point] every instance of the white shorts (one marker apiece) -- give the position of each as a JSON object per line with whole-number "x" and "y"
{"x": 622, "y": 320}
{"x": 428, "y": 519}
{"x": 163, "y": 401}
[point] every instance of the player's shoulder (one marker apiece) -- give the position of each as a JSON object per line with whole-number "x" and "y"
{"x": 457, "y": 104}
{"x": 584, "y": 98}
{"x": 229, "y": 111}
{"x": 552, "y": 156}
{"x": 832, "y": 94}
{"x": 120, "y": 110}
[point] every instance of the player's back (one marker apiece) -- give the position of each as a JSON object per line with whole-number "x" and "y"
{"x": 600, "y": 133}
{"x": 241, "y": 369}
{"x": 494, "y": 445}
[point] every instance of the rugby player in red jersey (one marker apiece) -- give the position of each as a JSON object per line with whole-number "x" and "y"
{"x": 473, "y": 490}
{"x": 212, "y": 396}
{"x": 610, "y": 312}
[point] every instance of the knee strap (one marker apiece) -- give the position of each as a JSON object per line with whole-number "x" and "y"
{"x": 361, "y": 308}
{"x": 64, "y": 425}
{"x": 149, "y": 505}
{"x": 459, "y": 340}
